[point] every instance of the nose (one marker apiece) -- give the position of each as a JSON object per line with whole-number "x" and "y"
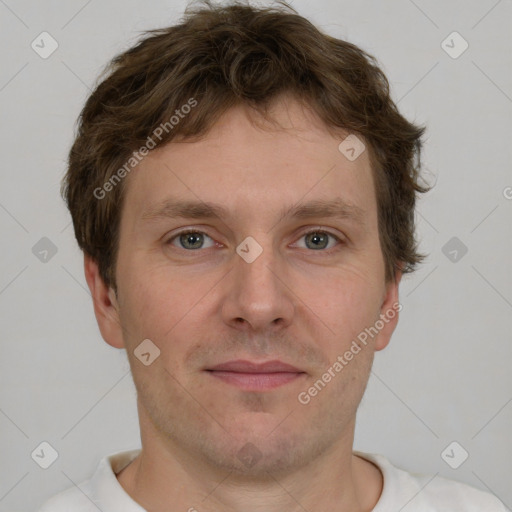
{"x": 259, "y": 295}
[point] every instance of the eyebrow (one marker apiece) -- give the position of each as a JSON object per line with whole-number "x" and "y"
{"x": 333, "y": 208}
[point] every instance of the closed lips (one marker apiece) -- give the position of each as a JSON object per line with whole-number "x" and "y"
{"x": 241, "y": 366}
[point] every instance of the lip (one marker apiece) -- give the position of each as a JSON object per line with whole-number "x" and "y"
{"x": 252, "y": 376}
{"x": 242, "y": 366}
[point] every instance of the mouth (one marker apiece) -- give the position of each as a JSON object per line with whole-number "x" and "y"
{"x": 252, "y": 376}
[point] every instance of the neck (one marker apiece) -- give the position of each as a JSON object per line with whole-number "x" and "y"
{"x": 164, "y": 473}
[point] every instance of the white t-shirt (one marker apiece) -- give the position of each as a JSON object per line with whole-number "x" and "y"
{"x": 407, "y": 492}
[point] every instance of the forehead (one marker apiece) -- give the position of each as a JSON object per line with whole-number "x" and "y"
{"x": 249, "y": 167}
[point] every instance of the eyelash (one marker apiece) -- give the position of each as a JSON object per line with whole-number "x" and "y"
{"x": 198, "y": 231}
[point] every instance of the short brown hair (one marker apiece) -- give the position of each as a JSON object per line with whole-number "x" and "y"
{"x": 220, "y": 57}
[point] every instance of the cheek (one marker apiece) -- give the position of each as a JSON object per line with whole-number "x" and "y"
{"x": 347, "y": 302}
{"x": 166, "y": 308}
{"x": 149, "y": 307}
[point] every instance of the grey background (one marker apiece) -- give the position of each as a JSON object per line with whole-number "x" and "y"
{"x": 445, "y": 376}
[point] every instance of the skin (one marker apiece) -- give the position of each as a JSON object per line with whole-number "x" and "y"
{"x": 204, "y": 306}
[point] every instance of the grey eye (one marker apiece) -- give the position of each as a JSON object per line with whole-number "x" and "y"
{"x": 190, "y": 240}
{"x": 318, "y": 240}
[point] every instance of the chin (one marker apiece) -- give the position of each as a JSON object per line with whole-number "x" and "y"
{"x": 262, "y": 452}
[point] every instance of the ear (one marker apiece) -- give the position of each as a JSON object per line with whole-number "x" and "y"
{"x": 105, "y": 303}
{"x": 389, "y": 312}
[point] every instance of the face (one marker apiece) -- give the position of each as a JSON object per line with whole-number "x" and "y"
{"x": 276, "y": 276}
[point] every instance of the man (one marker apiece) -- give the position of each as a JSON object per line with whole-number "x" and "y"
{"x": 243, "y": 189}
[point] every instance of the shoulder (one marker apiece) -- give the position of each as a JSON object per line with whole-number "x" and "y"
{"x": 101, "y": 489}
{"x": 411, "y": 492}
{"x": 70, "y": 499}
{"x": 442, "y": 492}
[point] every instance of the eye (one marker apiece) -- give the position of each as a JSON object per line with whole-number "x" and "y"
{"x": 318, "y": 239}
{"x": 193, "y": 239}
{"x": 189, "y": 239}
